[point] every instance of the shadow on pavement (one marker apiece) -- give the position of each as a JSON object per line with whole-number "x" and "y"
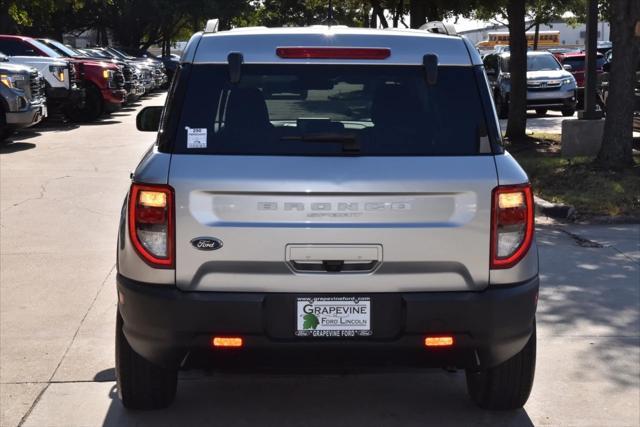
{"x": 105, "y": 376}
{"x": 102, "y": 121}
{"x": 14, "y": 147}
{"x": 417, "y": 399}
{"x": 594, "y": 291}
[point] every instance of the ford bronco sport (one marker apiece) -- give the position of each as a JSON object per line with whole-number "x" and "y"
{"x": 333, "y": 195}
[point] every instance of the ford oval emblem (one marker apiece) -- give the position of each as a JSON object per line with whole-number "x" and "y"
{"x": 206, "y": 243}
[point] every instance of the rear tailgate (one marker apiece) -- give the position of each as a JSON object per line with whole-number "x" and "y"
{"x": 425, "y": 219}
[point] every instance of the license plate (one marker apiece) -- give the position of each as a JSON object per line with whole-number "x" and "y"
{"x": 333, "y": 317}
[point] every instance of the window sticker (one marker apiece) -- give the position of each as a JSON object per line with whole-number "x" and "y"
{"x": 196, "y": 137}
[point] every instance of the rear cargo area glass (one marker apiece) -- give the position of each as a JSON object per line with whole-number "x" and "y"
{"x": 330, "y": 110}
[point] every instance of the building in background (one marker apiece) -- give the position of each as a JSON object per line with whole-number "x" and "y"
{"x": 570, "y": 36}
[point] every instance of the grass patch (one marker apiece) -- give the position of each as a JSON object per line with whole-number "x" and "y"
{"x": 592, "y": 191}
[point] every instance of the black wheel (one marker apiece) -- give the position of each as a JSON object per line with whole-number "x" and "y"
{"x": 541, "y": 111}
{"x": 5, "y": 131}
{"x": 502, "y": 107}
{"x": 568, "y": 112}
{"x": 141, "y": 384}
{"x": 92, "y": 108}
{"x": 508, "y": 385}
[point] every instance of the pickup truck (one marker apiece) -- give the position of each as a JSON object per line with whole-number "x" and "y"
{"x": 131, "y": 82}
{"x": 144, "y": 71}
{"x": 62, "y": 88}
{"x": 22, "y": 100}
{"x": 102, "y": 82}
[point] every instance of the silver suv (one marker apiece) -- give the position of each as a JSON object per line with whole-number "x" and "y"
{"x": 550, "y": 86}
{"x": 330, "y": 196}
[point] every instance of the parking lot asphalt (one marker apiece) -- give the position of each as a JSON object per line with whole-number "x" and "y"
{"x": 61, "y": 189}
{"x": 549, "y": 123}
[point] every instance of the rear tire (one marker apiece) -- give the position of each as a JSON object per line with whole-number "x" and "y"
{"x": 568, "y": 112}
{"x": 502, "y": 107}
{"x": 541, "y": 111}
{"x": 141, "y": 384}
{"x": 508, "y": 385}
{"x": 5, "y": 130}
{"x": 92, "y": 108}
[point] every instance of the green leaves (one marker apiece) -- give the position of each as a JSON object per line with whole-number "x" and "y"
{"x": 310, "y": 321}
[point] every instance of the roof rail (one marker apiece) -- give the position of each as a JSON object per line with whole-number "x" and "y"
{"x": 212, "y": 26}
{"x": 440, "y": 27}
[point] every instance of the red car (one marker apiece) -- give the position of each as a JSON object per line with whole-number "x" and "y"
{"x": 577, "y": 61}
{"x": 103, "y": 82}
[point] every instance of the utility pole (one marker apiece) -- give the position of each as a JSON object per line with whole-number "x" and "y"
{"x": 591, "y": 78}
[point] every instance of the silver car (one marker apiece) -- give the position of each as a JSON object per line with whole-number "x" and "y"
{"x": 327, "y": 196}
{"x": 550, "y": 86}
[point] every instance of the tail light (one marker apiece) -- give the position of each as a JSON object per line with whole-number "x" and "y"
{"x": 151, "y": 223}
{"x": 511, "y": 224}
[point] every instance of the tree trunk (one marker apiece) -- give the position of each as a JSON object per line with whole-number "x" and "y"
{"x": 517, "y": 122}
{"x": 365, "y": 15}
{"x": 615, "y": 151}
{"x": 434, "y": 13}
{"x": 379, "y": 12}
{"x": 417, "y": 13}
{"x": 536, "y": 35}
{"x": 397, "y": 14}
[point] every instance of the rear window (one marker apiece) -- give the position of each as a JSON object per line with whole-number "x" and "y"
{"x": 330, "y": 110}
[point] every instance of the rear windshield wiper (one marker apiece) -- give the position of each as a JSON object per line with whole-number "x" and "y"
{"x": 349, "y": 141}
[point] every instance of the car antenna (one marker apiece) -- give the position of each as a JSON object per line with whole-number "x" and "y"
{"x": 330, "y": 21}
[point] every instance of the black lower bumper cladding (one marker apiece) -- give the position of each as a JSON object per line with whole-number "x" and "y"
{"x": 164, "y": 324}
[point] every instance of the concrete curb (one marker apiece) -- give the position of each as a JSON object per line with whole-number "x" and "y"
{"x": 553, "y": 210}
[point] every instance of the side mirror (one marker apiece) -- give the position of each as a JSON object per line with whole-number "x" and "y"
{"x": 491, "y": 72}
{"x": 567, "y": 67}
{"x": 148, "y": 119}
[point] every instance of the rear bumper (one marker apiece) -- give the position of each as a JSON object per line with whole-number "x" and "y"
{"x": 164, "y": 324}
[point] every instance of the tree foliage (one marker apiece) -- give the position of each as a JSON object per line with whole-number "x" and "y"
{"x": 141, "y": 23}
{"x": 133, "y": 23}
{"x": 278, "y": 13}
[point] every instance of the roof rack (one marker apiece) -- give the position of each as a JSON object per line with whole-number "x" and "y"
{"x": 212, "y": 26}
{"x": 439, "y": 27}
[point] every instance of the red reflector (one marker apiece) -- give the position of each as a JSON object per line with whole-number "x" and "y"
{"x": 227, "y": 342}
{"x": 150, "y": 215}
{"x": 440, "y": 341}
{"x": 333, "y": 53}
